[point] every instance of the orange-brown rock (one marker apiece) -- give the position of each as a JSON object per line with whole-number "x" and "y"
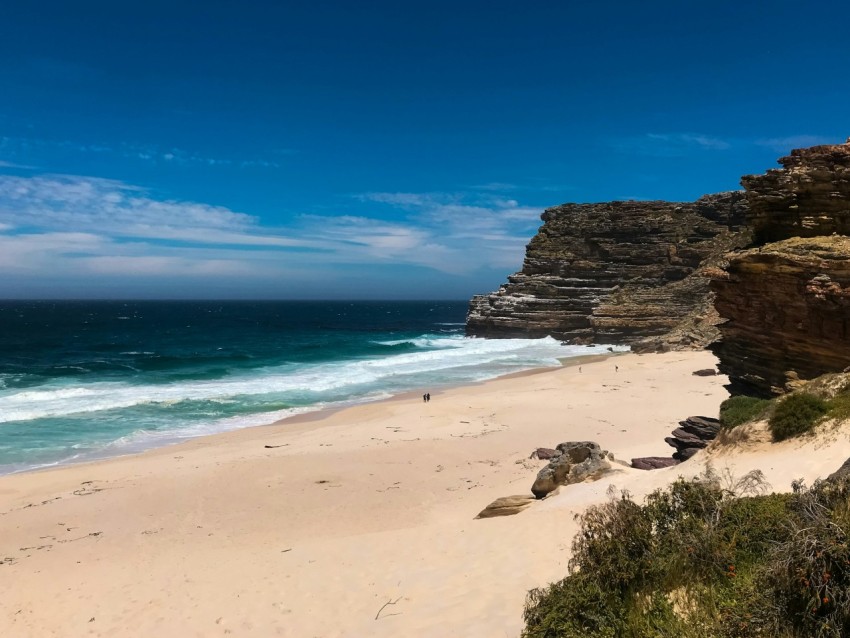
{"x": 787, "y": 306}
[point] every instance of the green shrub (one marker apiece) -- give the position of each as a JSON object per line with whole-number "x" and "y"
{"x": 839, "y": 406}
{"x": 735, "y": 411}
{"x": 796, "y": 415}
{"x": 671, "y": 567}
{"x": 809, "y": 571}
{"x": 708, "y": 563}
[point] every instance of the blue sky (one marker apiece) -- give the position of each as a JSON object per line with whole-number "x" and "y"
{"x": 376, "y": 149}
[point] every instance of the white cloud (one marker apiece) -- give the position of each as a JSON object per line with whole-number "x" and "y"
{"x": 75, "y": 228}
{"x": 455, "y": 232}
{"x": 81, "y": 203}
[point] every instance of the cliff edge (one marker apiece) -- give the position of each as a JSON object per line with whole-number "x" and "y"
{"x": 616, "y": 273}
{"x": 786, "y": 301}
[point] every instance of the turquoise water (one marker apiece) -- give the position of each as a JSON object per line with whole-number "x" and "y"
{"x": 81, "y": 380}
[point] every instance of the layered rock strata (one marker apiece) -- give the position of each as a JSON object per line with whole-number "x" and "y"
{"x": 788, "y": 310}
{"x": 786, "y": 302}
{"x": 807, "y": 197}
{"x": 615, "y": 272}
{"x": 692, "y": 435}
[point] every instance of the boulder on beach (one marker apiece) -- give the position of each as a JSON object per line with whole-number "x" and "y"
{"x": 578, "y": 461}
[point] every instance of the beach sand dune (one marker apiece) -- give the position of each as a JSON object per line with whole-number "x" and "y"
{"x": 352, "y": 523}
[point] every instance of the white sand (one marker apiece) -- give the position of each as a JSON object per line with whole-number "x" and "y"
{"x": 357, "y": 508}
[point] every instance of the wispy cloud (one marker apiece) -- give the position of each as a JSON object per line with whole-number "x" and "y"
{"x": 147, "y": 153}
{"x": 77, "y": 226}
{"x": 786, "y": 144}
{"x": 116, "y": 210}
{"x": 670, "y": 144}
{"x": 465, "y": 230}
{"x": 5, "y": 164}
{"x": 495, "y": 186}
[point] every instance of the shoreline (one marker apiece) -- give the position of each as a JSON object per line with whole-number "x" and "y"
{"x": 312, "y": 414}
{"x": 309, "y": 527}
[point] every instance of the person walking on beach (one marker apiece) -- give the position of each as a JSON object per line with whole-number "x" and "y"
{"x": 424, "y": 398}
{"x": 428, "y": 397}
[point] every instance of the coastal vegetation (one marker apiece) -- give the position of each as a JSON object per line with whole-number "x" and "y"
{"x": 793, "y": 415}
{"x": 735, "y": 411}
{"x": 796, "y": 414}
{"x": 703, "y": 558}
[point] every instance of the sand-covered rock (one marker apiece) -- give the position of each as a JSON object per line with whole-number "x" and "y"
{"x": 506, "y": 506}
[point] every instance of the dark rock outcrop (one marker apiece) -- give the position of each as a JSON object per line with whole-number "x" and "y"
{"x": 692, "y": 435}
{"x": 577, "y": 461}
{"x": 654, "y": 462}
{"x": 787, "y": 303}
{"x": 615, "y": 273}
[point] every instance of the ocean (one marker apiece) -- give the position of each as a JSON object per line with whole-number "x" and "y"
{"x": 81, "y": 380}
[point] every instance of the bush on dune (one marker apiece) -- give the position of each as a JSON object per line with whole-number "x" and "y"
{"x": 796, "y": 414}
{"x": 738, "y": 410}
{"x": 705, "y": 558}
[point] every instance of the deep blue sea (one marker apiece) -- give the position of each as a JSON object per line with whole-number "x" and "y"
{"x": 81, "y": 380}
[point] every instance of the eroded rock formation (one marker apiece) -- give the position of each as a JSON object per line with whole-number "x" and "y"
{"x": 616, "y": 272}
{"x": 576, "y": 461}
{"x": 787, "y": 303}
{"x": 807, "y": 197}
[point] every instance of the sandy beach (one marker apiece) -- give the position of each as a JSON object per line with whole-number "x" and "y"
{"x": 359, "y": 522}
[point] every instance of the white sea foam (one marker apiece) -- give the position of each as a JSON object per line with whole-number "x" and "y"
{"x": 437, "y": 361}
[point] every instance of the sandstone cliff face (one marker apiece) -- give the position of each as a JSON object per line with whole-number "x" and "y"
{"x": 614, "y": 272}
{"x": 786, "y": 304}
{"x": 808, "y": 197}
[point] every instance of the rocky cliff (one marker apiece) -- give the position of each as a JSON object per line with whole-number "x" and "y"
{"x": 615, "y": 273}
{"x": 807, "y": 197}
{"x": 788, "y": 310}
{"x": 786, "y": 302}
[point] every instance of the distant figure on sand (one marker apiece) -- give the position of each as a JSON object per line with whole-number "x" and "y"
{"x": 616, "y": 368}
{"x": 579, "y": 369}
{"x": 428, "y": 397}
{"x": 424, "y": 398}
